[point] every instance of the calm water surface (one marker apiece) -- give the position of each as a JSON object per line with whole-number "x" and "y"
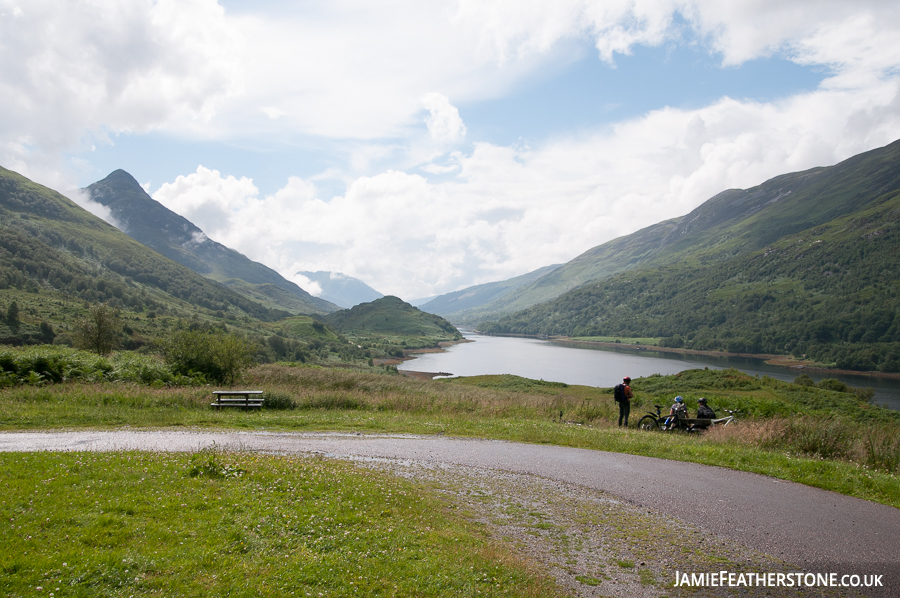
{"x": 595, "y": 366}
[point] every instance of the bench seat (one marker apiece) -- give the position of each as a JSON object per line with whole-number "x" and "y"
{"x": 238, "y": 398}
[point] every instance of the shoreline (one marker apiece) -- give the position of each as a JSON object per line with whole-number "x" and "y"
{"x": 410, "y": 354}
{"x": 784, "y": 361}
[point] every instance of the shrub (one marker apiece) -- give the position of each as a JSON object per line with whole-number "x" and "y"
{"x": 278, "y": 400}
{"x": 825, "y": 437}
{"x": 833, "y": 384}
{"x": 804, "y": 380}
{"x": 881, "y": 449}
{"x": 220, "y": 357}
{"x": 44, "y": 364}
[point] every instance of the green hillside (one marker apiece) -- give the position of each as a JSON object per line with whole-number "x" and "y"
{"x": 732, "y": 223}
{"x": 147, "y": 221}
{"x": 813, "y": 273}
{"x": 51, "y": 249}
{"x": 468, "y": 305}
{"x": 392, "y": 317}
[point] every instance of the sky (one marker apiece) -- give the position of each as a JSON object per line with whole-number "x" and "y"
{"x": 424, "y": 146}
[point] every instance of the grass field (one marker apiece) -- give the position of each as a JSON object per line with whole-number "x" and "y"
{"x": 239, "y": 524}
{"x": 212, "y": 524}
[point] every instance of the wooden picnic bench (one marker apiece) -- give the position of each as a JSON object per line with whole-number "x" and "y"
{"x": 246, "y": 399}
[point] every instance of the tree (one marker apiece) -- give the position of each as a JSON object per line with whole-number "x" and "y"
{"x": 47, "y": 333}
{"x": 220, "y": 357}
{"x": 12, "y": 313}
{"x": 100, "y": 330}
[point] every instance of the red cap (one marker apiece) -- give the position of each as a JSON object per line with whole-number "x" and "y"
{"x": 626, "y": 379}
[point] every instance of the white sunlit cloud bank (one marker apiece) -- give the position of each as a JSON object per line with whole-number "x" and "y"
{"x": 510, "y": 210}
{"x": 419, "y": 204}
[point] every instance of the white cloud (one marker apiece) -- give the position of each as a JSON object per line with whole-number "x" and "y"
{"x": 443, "y": 121}
{"x": 438, "y": 169}
{"x": 84, "y": 200}
{"x": 340, "y": 69}
{"x": 310, "y": 286}
{"x": 208, "y": 200}
{"x": 75, "y": 68}
{"x": 357, "y": 76}
{"x": 514, "y": 209}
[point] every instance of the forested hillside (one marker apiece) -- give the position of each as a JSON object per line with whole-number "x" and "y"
{"x": 392, "y": 315}
{"x": 804, "y": 264}
{"x": 734, "y": 222}
{"x": 831, "y": 292}
{"x": 50, "y": 245}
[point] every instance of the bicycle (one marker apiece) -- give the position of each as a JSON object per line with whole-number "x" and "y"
{"x": 656, "y": 421}
{"x": 724, "y": 421}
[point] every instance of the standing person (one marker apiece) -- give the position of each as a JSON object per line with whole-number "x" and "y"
{"x": 623, "y": 395}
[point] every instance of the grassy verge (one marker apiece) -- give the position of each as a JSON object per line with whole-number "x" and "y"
{"x": 832, "y": 439}
{"x": 135, "y": 524}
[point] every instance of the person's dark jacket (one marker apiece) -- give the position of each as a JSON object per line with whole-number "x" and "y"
{"x": 704, "y": 412}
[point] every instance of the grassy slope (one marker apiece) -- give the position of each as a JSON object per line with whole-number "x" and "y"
{"x": 466, "y": 305}
{"x": 825, "y": 287}
{"x": 54, "y": 240}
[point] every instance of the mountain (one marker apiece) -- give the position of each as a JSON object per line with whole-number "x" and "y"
{"x": 55, "y": 256}
{"x": 392, "y": 316}
{"x": 147, "y": 221}
{"x": 421, "y": 301}
{"x": 342, "y": 290}
{"x": 804, "y": 264}
{"x": 469, "y": 304}
{"x": 732, "y": 222}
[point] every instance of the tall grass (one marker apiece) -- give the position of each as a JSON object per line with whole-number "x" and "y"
{"x": 875, "y": 446}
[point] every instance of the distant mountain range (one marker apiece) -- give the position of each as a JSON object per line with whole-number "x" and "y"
{"x": 56, "y": 259}
{"x": 803, "y": 264}
{"x": 147, "y": 221}
{"x": 342, "y": 290}
{"x": 474, "y": 304}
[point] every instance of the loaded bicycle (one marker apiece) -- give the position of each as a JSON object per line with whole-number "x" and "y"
{"x": 657, "y": 421}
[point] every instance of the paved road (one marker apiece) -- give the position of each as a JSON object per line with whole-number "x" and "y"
{"x": 802, "y": 525}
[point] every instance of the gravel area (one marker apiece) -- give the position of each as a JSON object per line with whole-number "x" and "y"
{"x": 593, "y": 544}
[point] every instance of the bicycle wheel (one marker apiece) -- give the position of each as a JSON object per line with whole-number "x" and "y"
{"x": 648, "y": 423}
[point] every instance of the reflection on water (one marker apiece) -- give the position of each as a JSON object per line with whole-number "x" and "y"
{"x": 575, "y": 363}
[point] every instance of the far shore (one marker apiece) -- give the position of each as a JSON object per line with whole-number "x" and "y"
{"x": 785, "y": 361}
